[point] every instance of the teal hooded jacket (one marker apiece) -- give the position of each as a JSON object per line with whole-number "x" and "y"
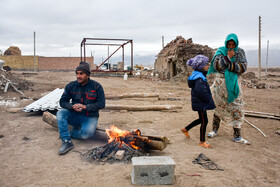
{"x": 231, "y": 78}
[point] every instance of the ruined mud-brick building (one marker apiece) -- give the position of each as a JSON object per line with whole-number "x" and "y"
{"x": 171, "y": 61}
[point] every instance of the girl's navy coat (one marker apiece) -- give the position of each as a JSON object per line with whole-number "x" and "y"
{"x": 201, "y": 94}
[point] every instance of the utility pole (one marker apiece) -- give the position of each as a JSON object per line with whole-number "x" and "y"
{"x": 162, "y": 41}
{"x": 266, "y": 60}
{"x": 34, "y": 53}
{"x": 108, "y": 58}
{"x": 259, "y": 47}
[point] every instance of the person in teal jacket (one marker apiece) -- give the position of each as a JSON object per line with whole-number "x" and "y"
{"x": 228, "y": 64}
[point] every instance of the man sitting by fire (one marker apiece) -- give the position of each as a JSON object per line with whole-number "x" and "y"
{"x": 81, "y": 101}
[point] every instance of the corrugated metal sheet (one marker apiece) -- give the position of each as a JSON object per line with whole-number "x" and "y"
{"x": 48, "y": 102}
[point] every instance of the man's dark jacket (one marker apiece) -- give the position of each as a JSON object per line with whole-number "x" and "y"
{"x": 91, "y": 95}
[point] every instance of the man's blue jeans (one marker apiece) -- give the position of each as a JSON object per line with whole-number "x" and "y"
{"x": 83, "y": 126}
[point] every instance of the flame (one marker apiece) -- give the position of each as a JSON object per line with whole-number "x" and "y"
{"x": 124, "y": 137}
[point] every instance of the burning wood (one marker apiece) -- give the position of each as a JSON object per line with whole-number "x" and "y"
{"x": 133, "y": 143}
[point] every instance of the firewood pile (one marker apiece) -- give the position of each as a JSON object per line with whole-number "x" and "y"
{"x": 112, "y": 153}
{"x": 123, "y": 145}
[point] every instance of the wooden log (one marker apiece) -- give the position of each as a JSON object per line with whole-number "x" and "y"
{"x": 12, "y": 84}
{"x": 129, "y": 149}
{"x": 255, "y": 127}
{"x": 156, "y": 145}
{"x": 151, "y": 142}
{"x": 50, "y": 119}
{"x": 262, "y": 115}
{"x": 132, "y": 95}
{"x": 110, "y": 151}
{"x": 6, "y": 86}
{"x": 142, "y": 108}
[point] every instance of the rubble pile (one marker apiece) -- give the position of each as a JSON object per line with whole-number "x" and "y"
{"x": 10, "y": 82}
{"x": 254, "y": 83}
{"x": 13, "y": 50}
{"x": 249, "y": 80}
{"x": 249, "y": 75}
{"x": 171, "y": 61}
{"x": 148, "y": 75}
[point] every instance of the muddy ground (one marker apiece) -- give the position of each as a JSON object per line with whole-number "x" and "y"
{"x": 29, "y": 146}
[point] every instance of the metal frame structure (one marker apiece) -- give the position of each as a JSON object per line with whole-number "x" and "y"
{"x": 123, "y": 42}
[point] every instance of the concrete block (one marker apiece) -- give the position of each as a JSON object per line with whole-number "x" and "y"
{"x": 151, "y": 170}
{"x": 119, "y": 154}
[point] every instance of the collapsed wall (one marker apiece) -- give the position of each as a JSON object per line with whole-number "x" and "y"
{"x": 171, "y": 61}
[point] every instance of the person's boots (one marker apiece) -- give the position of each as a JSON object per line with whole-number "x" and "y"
{"x": 237, "y": 136}
{"x": 215, "y": 125}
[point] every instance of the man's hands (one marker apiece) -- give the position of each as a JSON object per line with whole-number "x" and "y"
{"x": 230, "y": 53}
{"x": 79, "y": 107}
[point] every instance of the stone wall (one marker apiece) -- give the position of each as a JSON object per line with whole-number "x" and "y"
{"x": 17, "y": 62}
{"x": 26, "y": 63}
{"x": 60, "y": 63}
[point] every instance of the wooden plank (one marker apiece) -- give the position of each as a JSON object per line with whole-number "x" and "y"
{"x": 142, "y": 108}
{"x": 264, "y": 113}
{"x": 132, "y": 95}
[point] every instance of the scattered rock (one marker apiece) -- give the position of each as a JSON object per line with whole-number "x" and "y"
{"x": 15, "y": 110}
{"x": 261, "y": 85}
{"x": 255, "y": 84}
{"x": 26, "y": 138}
{"x": 123, "y": 111}
{"x": 7, "y": 68}
{"x": 248, "y": 75}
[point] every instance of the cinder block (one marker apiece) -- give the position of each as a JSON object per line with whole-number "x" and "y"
{"x": 119, "y": 154}
{"x": 152, "y": 170}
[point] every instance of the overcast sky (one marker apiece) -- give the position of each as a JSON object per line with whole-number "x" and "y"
{"x": 60, "y": 25}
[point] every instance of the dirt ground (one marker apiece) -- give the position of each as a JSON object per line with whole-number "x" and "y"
{"x": 29, "y": 146}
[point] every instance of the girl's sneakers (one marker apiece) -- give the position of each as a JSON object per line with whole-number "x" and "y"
{"x": 204, "y": 144}
{"x": 185, "y": 132}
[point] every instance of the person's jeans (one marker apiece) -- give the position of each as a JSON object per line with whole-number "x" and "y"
{"x": 83, "y": 126}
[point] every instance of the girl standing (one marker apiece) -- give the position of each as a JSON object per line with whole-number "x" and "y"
{"x": 200, "y": 96}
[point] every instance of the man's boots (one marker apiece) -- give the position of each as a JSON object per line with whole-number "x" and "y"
{"x": 216, "y": 125}
{"x": 237, "y": 136}
{"x": 66, "y": 146}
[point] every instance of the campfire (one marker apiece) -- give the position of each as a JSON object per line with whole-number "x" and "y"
{"x": 123, "y": 145}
